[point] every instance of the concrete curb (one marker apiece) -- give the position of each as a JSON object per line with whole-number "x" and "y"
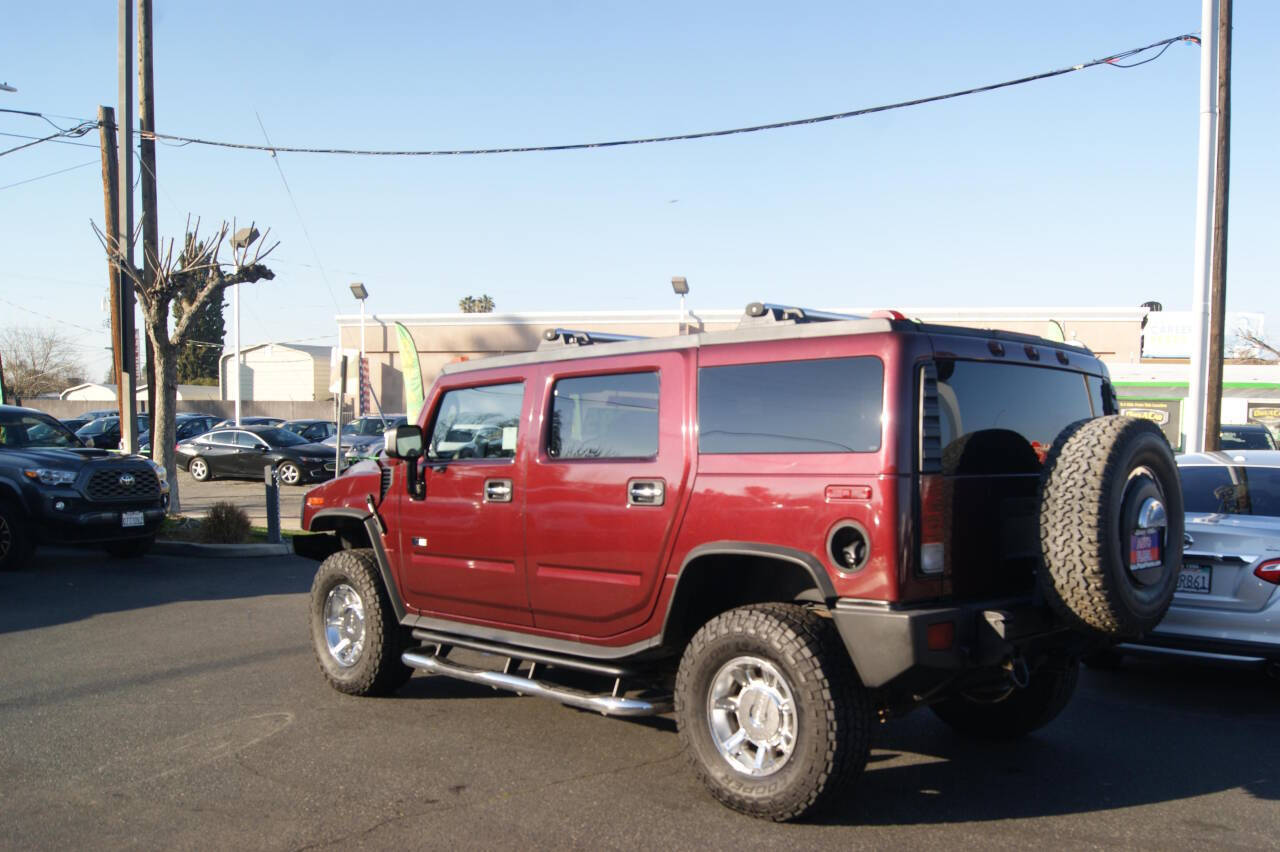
{"x": 220, "y": 551}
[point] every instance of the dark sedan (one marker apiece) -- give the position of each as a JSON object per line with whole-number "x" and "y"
{"x": 187, "y": 426}
{"x": 104, "y": 433}
{"x": 312, "y": 430}
{"x": 230, "y": 422}
{"x": 243, "y": 453}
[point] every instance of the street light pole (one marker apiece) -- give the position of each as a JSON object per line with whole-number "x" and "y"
{"x": 241, "y": 239}
{"x": 235, "y": 301}
{"x": 358, "y": 290}
{"x": 680, "y": 285}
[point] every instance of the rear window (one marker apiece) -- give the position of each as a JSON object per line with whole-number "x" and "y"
{"x": 1016, "y": 409}
{"x": 1229, "y": 490}
{"x": 829, "y": 405}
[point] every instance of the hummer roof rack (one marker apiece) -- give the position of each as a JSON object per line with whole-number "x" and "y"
{"x": 570, "y": 336}
{"x": 780, "y": 313}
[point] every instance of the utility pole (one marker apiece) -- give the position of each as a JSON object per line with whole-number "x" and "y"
{"x": 110, "y": 195}
{"x": 147, "y": 158}
{"x": 1218, "y": 283}
{"x": 126, "y": 387}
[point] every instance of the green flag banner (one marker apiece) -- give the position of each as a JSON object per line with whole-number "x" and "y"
{"x": 412, "y": 371}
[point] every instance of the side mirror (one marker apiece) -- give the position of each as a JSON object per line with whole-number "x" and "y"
{"x": 403, "y": 442}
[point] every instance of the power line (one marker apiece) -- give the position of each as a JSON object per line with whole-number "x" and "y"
{"x": 79, "y": 130}
{"x": 56, "y": 141}
{"x": 49, "y": 174}
{"x": 1111, "y": 60}
{"x": 298, "y": 211}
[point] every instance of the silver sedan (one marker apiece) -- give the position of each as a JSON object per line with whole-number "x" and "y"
{"x": 1227, "y": 606}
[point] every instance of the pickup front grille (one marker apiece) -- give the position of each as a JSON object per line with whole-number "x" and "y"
{"x": 123, "y": 484}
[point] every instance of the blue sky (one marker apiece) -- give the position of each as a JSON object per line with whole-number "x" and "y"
{"x": 1078, "y": 190}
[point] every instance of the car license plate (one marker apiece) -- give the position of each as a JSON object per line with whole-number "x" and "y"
{"x": 1144, "y": 549}
{"x": 1195, "y": 579}
{"x": 131, "y": 519}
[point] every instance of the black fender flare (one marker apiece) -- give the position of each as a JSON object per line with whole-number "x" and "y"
{"x": 371, "y": 525}
{"x": 810, "y": 563}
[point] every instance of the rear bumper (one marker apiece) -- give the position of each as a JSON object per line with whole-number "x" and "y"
{"x": 885, "y": 642}
{"x": 1220, "y": 631}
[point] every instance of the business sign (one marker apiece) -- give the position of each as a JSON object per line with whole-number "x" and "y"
{"x": 1266, "y": 413}
{"x": 1165, "y": 413}
{"x": 1167, "y": 334}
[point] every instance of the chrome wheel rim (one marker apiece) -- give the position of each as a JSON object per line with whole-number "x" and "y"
{"x": 344, "y": 625}
{"x": 199, "y": 469}
{"x": 752, "y": 714}
{"x": 289, "y": 474}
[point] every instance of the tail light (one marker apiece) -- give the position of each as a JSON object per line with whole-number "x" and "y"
{"x": 932, "y": 551}
{"x": 1269, "y": 572}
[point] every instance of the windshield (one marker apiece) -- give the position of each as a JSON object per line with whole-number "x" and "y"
{"x": 1230, "y": 490}
{"x": 98, "y": 427}
{"x": 280, "y": 437}
{"x": 366, "y": 426}
{"x": 34, "y": 430}
{"x": 1247, "y": 439}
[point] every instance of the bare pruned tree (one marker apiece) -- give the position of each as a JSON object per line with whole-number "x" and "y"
{"x": 188, "y": 281}
{"x": 38, "y": 360}
{"x": 1269, "y": 350}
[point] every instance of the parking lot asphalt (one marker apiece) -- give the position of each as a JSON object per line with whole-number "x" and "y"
{"x": 175, "y": 703}
{"x": 250, "y": 495}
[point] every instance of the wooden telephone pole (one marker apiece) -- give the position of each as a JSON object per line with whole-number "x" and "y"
{"x": 147, "y": 159}
{"x": 110, "y": 195}
{"x": 1218, "y": 279}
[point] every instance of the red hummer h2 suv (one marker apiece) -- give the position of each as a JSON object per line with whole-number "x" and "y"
{"x": 783, "y": 532}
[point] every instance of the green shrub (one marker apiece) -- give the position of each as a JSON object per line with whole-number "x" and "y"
{"x": 226, "y": 523}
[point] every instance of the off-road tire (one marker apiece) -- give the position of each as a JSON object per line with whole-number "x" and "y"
{"x": 130, "y": 548}
{"x": 379, "y": 669}
{"x": 1084, "y": 573}
{"x": 192, "y": 468}
{"x": 16, "y": 545}
{"x": 1018, "y": 713}
{"x": 834, "y": 711}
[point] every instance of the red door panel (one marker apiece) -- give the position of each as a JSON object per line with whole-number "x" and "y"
{"x": 596, "y": 556}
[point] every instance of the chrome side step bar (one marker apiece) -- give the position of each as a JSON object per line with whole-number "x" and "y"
{"x": 433, "y": 637}
{"x": 609, "y": 705}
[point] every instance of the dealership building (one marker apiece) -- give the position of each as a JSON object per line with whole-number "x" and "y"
{"x": 1146, "y": 351}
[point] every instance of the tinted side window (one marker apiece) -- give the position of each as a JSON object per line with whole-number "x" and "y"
{"x": 1018, "y": 409}
{"x": 244, "y": 439}
{"x": 477, "y": 423}
{"x": 1231, "y": 490}
{"x": 220, "y": 438}
{"x": 605, "y": 417}
{"x": 831, "y": 405}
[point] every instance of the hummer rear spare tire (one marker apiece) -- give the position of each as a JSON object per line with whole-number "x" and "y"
{"x": 1111, "y": 525}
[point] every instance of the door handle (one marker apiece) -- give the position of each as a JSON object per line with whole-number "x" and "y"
{"x": 497, "y": 491}
{"x": 646, "y": 492}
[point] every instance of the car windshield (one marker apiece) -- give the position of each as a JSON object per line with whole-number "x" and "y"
{"x": 365, "y": 426}
{"x": 280, "y": 437}
{"x": 34, "y": 430}
{"x": 99, "y": 427}
{"x": 1231, "y": 490}
{"x": 295, "y": 428}
{"x": 1247, "y": 439}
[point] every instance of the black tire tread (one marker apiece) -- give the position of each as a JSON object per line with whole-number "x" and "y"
{"x": 810, "y": 644}
{"x": 380, "y": 670}
{"x": 1079, "y": 473}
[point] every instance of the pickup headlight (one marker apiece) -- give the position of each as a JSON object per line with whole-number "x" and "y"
{"x": 161, "y": 474}
{"x": 51, "y": 476}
